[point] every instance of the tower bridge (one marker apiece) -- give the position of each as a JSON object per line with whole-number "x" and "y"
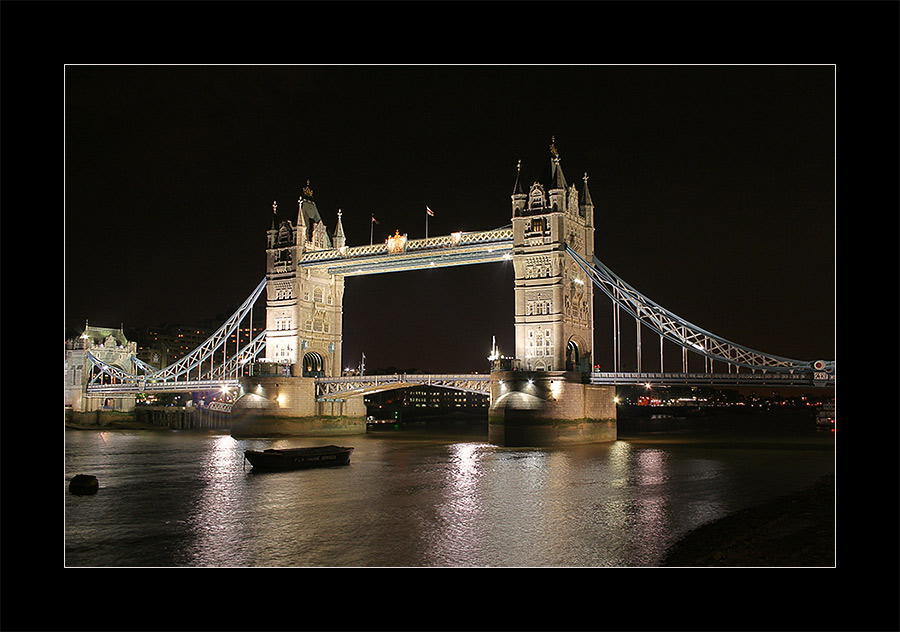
{"x": 546, "y": 392}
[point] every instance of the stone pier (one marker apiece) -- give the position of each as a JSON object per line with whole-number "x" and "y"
{"x": 549, "y": 408}
{"x": 287, "y": 406}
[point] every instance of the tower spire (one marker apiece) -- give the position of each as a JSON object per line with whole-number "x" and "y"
{"x": 339, "y": 239}
{"x": 517, "y": 189}
{"x": 557, "y": 179}
{"x": 586, "y": 194}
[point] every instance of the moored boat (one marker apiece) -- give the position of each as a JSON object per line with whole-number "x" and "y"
{"x": 298, "y": 458}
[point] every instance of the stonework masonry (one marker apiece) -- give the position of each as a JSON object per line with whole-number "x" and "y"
{"x": 545, "y": 408}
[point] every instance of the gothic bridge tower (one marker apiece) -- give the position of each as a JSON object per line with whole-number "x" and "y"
{"x": 303, "y": 306}
{"x": 554, "y": 319}
{"x": 544, "y": 399}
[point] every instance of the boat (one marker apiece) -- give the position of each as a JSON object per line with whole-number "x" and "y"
{"x": 298, "y": 458}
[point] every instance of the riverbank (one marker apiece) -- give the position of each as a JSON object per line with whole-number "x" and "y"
{"x": 792, "y": 531}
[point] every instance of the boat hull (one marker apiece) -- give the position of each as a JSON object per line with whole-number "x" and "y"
{"x": 298, "y": 458}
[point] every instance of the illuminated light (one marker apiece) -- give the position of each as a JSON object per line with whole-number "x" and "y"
{"x": 456, "y": 237}
{"x": 530, "y": 382}
{"x": 555, "y": 388}
{"x": 281, "y": 399}
{"x": 507, "y": 256}
{"x": 396, "y": 243}
{"x": 616, "y": 399}
{"x": 647, "y": 385}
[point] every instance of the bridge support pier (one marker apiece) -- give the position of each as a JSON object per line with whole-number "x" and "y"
{"x": 275, "y": 406}
{"x": 549, "y": 408}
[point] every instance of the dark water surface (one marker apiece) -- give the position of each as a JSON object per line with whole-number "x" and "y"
{"x": 426, "y": 496}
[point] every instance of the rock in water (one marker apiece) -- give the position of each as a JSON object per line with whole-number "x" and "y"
{"x": 83, "y": 484}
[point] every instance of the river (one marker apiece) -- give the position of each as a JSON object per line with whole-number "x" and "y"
{"x": 422, "y": 496}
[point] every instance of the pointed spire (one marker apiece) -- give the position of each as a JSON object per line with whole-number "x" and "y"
{"x": 301, "y": 237}
{"x": 517, "y": 189}
{"x": 557, "y": 179}
{"x": 586, "y": 204}
{"x": 586, "y": 194}
{"x": 339, "y": 239}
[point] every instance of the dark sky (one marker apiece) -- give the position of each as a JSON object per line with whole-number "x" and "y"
{"x": 714, "y": 191}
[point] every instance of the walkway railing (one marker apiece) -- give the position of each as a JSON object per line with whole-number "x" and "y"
{"x": 455, "y": 249}
{"x": 469, "y": 382}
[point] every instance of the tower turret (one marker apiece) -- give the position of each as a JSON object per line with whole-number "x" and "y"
{"x": 339, "y": 240}
{"x": 519, "y": 197}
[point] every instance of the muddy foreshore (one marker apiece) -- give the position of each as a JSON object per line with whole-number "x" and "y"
{"x": 792, "y": 531}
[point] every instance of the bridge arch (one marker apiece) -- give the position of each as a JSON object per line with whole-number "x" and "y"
{"x": 313, "y": 365}
{"x": 574, "y": 354}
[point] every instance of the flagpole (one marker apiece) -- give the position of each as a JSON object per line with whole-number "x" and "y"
{"x": 371, "y": 229}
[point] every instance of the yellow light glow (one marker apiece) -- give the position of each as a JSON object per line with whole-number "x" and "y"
{"x": 555, "y": 388}
{"x": 396, "y": 243}
{"x": 281, "y": 399}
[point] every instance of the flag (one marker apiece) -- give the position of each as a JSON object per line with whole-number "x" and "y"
{"x": 374, "y": 220}
{"x": 429, "y": 211}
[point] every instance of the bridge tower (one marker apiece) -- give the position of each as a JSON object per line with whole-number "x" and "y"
{"x": 544, "y": 399}
{"x": 303, "y": 306}
{"x": 304, "y": 320}
{"x": 554, "y": 319}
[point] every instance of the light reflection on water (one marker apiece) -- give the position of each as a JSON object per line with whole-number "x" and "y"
{"x": 189, "y": 499}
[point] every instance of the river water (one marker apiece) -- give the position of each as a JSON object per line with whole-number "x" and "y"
{"x": 425, "y": 496}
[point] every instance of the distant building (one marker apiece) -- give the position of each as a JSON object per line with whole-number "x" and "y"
{"x": 107, "y": 344}
{"x": 425, "y": 396}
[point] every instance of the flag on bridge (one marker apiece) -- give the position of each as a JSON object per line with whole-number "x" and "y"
{"x": 429, "y": 211}
{"x": 374, "y": 220}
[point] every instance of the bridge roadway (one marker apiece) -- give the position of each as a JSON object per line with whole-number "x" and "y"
{"x": 480, "y": 382}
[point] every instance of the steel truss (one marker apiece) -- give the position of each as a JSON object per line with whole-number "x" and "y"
{"x": 195, "y": 371}
{"x": 468, "y": 382}
{"x": 687, "y": 335}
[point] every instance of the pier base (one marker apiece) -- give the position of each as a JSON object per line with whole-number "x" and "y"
{"x": 549, "y": 408}
{"x": 277, "y": 406}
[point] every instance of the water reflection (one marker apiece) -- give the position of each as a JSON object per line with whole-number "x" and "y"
{"x": 457, "y": 532}
{"x": 218, "y": 515}
{"x": 169, "y": 499}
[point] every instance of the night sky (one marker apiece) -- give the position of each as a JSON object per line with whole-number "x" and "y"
{"x": 713, "y": 187}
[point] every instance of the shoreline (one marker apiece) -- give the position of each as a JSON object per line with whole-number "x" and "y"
{"x": 796, "y": 530}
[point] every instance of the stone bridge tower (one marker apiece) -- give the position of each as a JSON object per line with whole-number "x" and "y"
{"x": 554, "y": 318}
{"x": 544, "y": 399}
{"x": 303, "y": 306}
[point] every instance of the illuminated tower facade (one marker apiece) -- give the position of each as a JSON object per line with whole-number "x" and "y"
{"x": 553, "y": 296}
{"x": 303, "y": 306}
